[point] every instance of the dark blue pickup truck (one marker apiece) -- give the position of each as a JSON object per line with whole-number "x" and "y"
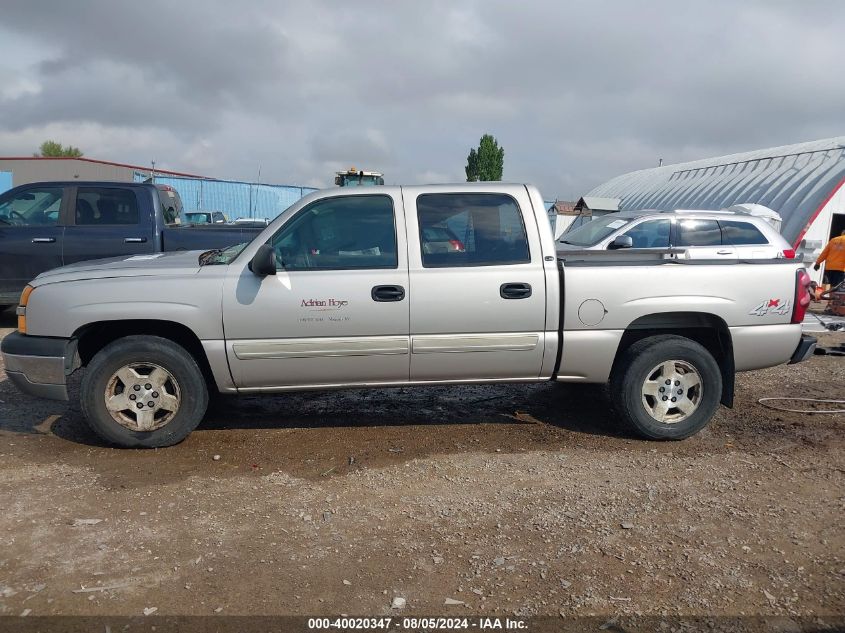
{"x": 49, "y": 224}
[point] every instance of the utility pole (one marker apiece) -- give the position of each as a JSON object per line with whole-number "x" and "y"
{"x": 257, "y": 188}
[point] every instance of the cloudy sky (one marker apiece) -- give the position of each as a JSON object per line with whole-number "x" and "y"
{"x": 576, "y": 92}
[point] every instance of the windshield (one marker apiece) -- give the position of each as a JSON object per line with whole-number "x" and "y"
{"x": 171, "y": 204}
{"x": 361, "y": 181}
{"x": 223, "y": 256}
{"x": 595, "y": 231}
{"x": 197, "y": 218}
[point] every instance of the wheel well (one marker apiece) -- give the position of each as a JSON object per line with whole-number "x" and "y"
{"x": 708, "y": 330}
{"x": 93, "y": 337}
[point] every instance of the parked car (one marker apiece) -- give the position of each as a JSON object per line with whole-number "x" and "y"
{"x": 341, "y": 291}
{"x": 440, "y": 239}
{"x": 203, "y": 217}
{"x": 49, "y": 224}
{"x": 701, "y": 234}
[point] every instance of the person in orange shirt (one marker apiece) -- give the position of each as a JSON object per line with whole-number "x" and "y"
{"x": 834, "y": 255}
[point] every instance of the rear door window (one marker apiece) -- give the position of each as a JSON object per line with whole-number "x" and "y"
{"x": 738, "y": 233}
{"x": 469, "y": 229}
{"x": 699, "y": 233}
{"x": 102, "y": 206}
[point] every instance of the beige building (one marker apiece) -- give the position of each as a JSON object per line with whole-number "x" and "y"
{"x": 24, "y": 170}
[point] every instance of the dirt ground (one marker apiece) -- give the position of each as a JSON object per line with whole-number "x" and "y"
{"x": 525, "y": 500}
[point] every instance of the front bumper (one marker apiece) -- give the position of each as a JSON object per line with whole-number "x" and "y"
{"x": 39, "y": 365}
{"x": 805, "y": 349}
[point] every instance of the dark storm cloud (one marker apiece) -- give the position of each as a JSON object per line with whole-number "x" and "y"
{"x": 213, "y": 49}
{"x": 351, "y": 146}
{"x": 575, "y": 92}
{"x": 160, "y": 64}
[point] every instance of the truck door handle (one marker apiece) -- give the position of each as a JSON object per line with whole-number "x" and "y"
{"x": 134, "y": 240}
{"x": 515, "y": 291}
{"x": 388, "y": 293}
{"x": 43, "y": 240}
{"x": 724, "y": 252}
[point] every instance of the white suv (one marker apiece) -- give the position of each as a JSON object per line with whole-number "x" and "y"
{"x": 702, "y": 234}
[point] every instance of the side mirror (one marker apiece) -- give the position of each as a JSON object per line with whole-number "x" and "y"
{"x": 621, "y": 241}
{"x": 264, "y": 261}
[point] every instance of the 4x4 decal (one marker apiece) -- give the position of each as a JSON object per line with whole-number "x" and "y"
{"x": 772, "y": 306}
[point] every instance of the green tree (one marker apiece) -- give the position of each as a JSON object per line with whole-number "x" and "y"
{"x": 486, "y": 163}
{"x": 52, "y": 149}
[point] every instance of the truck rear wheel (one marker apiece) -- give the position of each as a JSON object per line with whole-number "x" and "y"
{"x": 666, "y": 387}
{"x": 143, "y": 392}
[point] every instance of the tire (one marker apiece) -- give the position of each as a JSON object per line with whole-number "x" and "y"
{"x": 643, "y": 370}
{"x": 123, "y": 370}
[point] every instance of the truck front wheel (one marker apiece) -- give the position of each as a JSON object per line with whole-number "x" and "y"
{"x": 666, "y": 387}
{"x": 143, "y": 392}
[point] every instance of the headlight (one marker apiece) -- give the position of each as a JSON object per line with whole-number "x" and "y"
{"x": 21, "y": 311}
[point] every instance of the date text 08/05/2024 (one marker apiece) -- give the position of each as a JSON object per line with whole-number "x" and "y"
{"x": 418, "y": 623}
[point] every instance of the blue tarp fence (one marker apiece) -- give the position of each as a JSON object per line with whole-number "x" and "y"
{"x": 5, "y": 181}
{"x": 235, "y": 199}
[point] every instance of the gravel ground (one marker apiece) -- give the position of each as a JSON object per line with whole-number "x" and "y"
{"x": 512, "y": 500}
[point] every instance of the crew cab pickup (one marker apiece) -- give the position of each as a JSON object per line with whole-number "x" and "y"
{"x": 344, "y": 289}
{"x": 49, "y": 224}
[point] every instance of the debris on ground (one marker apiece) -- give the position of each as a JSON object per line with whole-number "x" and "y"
{"x": 119, "y": 585}
{"x": 771, "y": 598}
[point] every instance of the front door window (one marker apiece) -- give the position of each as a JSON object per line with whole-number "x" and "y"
{"x": 32, "y": 207}
{"x": 346, "y": 233}
{"x": 650, "y": 234}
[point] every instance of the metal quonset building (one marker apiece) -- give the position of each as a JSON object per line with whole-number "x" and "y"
{"x": 802, "y": 182}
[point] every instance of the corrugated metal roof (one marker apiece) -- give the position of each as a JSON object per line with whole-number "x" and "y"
{"x": 794, "y": 180}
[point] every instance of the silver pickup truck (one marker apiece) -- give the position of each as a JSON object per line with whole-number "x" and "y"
{"x": 397, "y": 286}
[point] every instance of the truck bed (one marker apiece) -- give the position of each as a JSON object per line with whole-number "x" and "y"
{"x": 608, "y": 294}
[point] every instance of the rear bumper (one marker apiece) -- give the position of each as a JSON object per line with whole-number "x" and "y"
{"x": 805, "y": 349}
{"x": 39, "y": 365}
